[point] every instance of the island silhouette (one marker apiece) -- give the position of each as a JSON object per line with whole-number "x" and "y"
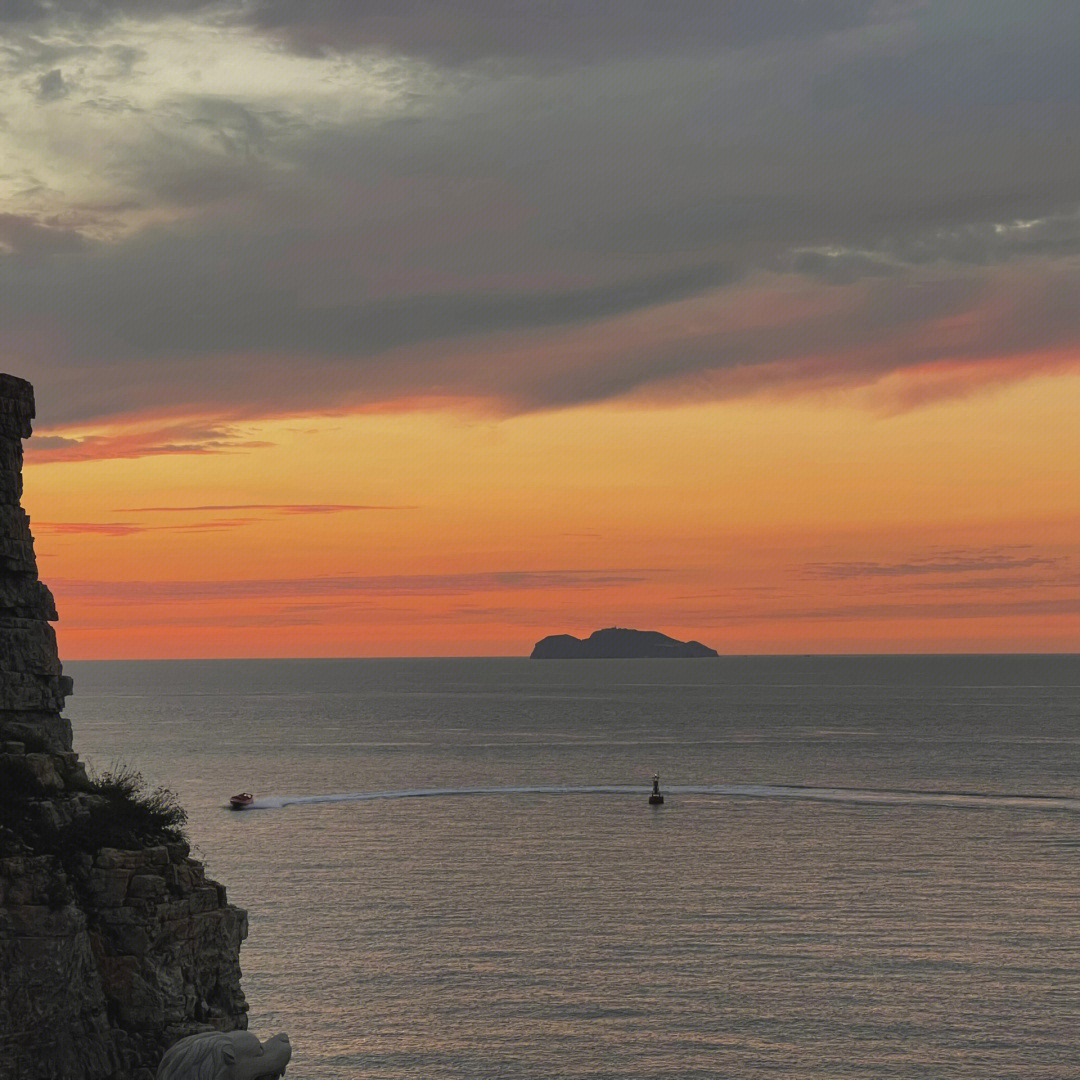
{"x": 616, "y": 643}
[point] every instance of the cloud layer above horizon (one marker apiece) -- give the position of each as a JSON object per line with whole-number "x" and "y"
{"x": 267, "y": 208}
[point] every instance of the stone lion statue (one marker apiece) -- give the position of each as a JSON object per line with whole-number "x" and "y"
{"x": 225, "y": 1055}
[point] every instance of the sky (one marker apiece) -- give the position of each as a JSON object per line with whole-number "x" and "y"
{"x": 436, "y": 326}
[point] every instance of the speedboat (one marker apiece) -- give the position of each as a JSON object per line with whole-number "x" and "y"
{"x": 241, "y": 801}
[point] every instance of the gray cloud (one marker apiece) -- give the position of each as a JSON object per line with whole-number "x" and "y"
{"x": 976, "y": 562}
{"x": 202, "y": 361}
{"x": 278, "y": 508}
{"x": 169, "y": 439}
{"x": 51, "y": 86}
{"x": 1060, "y": 576}
{"x": 873, "y": 612}
{"x": 547, "y": 171}
{"x": 25, "y": 235}
{"x": 979, "y": 243}
{"x": 275, "y": 321}
{"x": 464, "y": 31}
{"x": 96, "y": 11}
{"x": 972, "y": 55}
{"x": 22, "y": 11}
{"x": 144, "y": 592}
{"x": 460, "y": 31}
{"x": 93, "y": 528}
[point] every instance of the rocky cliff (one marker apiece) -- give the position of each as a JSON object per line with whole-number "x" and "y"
{"x": 617, "y": 643}
{"x": 113, "y": 943}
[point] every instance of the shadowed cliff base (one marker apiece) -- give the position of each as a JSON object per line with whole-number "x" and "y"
{"x": 617, "y": 643}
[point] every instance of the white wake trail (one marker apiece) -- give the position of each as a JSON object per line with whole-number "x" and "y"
{"x": 274, "y": 802}
{"x": 869, "y": 796}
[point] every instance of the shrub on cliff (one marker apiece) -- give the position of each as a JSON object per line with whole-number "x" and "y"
{"x": 128, "y": 813}
{"x": 114, "y": 809}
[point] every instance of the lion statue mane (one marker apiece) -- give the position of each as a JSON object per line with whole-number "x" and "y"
{"x": 225, "y": 1055}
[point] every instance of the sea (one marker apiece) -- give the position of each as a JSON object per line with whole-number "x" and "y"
{"x": 864, "y": 866}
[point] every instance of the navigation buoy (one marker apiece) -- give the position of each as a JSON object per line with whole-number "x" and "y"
{"x": 656, "y": 799}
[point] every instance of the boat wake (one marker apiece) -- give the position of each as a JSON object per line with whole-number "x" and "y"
{"x": 899, "y": 797}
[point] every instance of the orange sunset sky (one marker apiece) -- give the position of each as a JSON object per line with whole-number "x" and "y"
{"x": 437, "y": 332}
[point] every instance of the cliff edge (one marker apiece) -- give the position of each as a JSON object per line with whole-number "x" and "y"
{"x": 113, "y": 943}
{"x": 616, "y": 643}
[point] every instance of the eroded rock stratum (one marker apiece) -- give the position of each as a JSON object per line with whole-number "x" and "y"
{"x": 113, "y": 943}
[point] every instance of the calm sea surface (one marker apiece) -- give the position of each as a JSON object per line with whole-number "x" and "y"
{"x": 796, "y": 909}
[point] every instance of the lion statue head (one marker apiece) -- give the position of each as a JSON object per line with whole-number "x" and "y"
{"x": 225, "y": 1055}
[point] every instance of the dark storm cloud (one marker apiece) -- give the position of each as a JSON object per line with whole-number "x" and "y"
{"x": 208, "y": 323}
{"x": 140, "y": 323}
{"x": 897, "y": 182}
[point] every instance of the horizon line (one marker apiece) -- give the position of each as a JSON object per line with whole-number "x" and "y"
{"x": 524, "y": 656}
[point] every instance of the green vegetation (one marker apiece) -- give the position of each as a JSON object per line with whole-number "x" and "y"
{"x": 115, "y": 809}
{"x": 132, "y": 814}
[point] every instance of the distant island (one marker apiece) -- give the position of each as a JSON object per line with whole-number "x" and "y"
{"x": 616, "y": 643}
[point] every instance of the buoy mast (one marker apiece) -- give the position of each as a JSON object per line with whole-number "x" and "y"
{"x": 656, "y": 799}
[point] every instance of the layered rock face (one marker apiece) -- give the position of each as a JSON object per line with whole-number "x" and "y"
{"x": 108, "y": 954}
{"x": 32, "y": 685}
